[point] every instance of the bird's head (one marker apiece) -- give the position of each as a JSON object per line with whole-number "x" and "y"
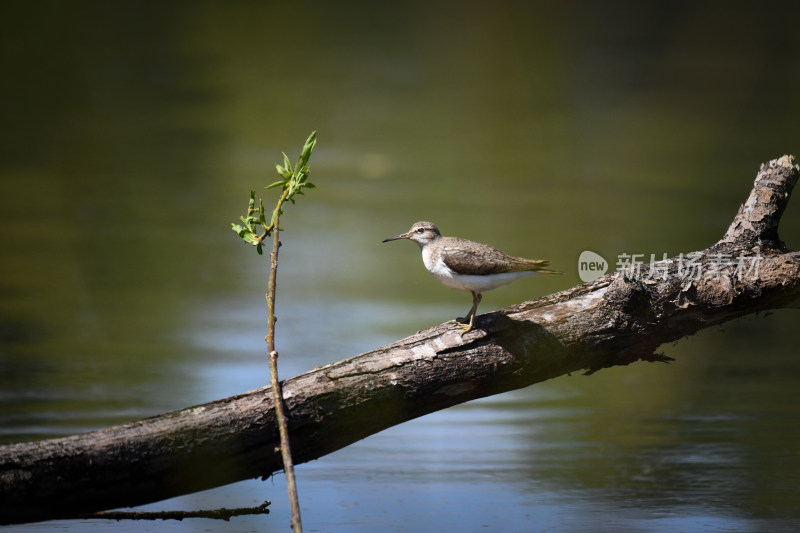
{"x": 421, "y": 233}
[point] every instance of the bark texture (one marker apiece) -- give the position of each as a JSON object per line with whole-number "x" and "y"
{"x": 615, "y": 320}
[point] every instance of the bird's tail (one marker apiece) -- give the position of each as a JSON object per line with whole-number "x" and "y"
{"x": 538, "y": 267}
{"x": 545, "y": 271}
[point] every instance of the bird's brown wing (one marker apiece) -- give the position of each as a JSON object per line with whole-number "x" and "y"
{"x": 473, "y": 258}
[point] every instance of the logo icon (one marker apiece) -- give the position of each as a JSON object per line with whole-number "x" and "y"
{"x": 591, "y": 266}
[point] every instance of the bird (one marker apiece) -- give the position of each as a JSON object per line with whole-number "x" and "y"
{"x": 467, "y": 265}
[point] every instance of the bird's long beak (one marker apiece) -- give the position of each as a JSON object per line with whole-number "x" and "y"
{"x": 401, "y": 236}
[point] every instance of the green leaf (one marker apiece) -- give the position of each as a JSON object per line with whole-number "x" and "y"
{"x": 305, "y": 155}
{"x": 286, "y": 163}
{"x": 276, "y": 184}
{"x": 258, "y": 249}
{"x": 310, "y": 185}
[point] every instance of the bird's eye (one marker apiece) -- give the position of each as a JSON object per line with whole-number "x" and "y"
{"x": 420, "y": 230}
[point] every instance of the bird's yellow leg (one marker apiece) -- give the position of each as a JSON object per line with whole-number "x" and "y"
{"x": 476, "y": 299}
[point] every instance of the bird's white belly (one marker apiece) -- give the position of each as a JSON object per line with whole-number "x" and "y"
{"x": 468, "y": 283}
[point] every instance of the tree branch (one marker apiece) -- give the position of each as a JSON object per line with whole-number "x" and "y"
{"x": 615, "y": 320}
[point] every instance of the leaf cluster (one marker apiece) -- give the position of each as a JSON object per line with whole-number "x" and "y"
{"x": 253, "y": 219}
{"x": 293, "y": 181}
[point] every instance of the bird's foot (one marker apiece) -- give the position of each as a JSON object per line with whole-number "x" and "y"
{"x": 464, "y": 323}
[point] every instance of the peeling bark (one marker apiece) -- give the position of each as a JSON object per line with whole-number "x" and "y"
{"x": 618, "y": 319}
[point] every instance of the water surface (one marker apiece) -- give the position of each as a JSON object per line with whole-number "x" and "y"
{"x": 132, "y": 135}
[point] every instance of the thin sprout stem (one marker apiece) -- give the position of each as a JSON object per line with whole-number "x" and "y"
{"x": 277, "y": 393}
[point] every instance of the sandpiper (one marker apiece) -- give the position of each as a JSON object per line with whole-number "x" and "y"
{"x": 468, "y": 265}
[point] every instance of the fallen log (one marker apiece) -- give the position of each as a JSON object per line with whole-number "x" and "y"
{"x": 617, "y": 319}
